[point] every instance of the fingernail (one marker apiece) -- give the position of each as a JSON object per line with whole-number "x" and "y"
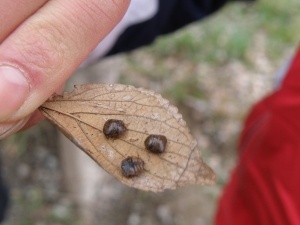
{"x": 8, "y": 129}
{"x": 14, "y": 89}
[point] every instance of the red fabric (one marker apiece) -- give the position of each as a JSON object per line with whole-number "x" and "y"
{"x": 265, "y": 185}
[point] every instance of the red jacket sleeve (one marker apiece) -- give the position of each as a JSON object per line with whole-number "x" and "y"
{"x": 265, "y": 185}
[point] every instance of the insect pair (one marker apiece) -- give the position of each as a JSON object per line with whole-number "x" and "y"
{"x": 154, "y": 142}
{"x": 133, "y": 166}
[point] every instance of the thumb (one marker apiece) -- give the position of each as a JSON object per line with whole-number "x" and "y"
{"x": 47, "y": 48}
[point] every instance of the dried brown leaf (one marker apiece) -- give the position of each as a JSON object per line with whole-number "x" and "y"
{"x": 81, "y": 114}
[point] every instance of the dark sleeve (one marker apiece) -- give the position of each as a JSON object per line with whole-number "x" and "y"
{"x": 171, "y": 15}
{"x": 3, "y": 200}
{"x": 4, "y": 195}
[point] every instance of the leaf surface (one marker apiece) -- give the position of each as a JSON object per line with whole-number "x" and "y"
{"x": 81, "y": 114}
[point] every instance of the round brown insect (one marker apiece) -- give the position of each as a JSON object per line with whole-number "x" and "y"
{"x": 132, "y": 166}
{"x": 156, "y": 143}
{"x": 114, "y": 128}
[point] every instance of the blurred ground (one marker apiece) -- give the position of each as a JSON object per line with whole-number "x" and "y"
{"x": 213, "y": 71}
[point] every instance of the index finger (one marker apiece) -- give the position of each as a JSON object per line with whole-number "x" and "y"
{"x": 13, "y": 13}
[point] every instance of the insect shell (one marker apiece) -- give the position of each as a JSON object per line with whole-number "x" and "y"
{"x": 156, "y": 143}
{"x": 114, "y": 128}
{"x": 132, "y": 166}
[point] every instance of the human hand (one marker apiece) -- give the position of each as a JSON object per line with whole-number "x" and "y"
{"x": 42, "y": 44}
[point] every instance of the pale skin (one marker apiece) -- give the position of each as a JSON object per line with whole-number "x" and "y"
{"x": 42, "y": 44}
